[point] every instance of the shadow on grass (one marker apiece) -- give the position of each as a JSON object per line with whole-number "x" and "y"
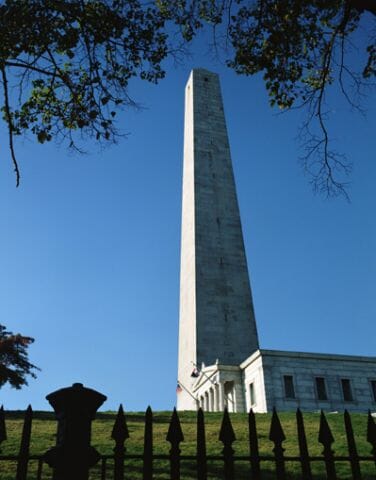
{"x": 215, "y": 472}
{"x": 161, "y": 471}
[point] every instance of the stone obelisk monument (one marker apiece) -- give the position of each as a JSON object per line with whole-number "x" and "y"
{"x": 217, "y": 322}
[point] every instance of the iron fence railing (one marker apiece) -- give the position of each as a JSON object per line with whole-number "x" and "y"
{"x": 73, "y": 458}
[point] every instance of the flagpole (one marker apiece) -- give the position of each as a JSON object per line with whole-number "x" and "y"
{"x": 189, "y": 393}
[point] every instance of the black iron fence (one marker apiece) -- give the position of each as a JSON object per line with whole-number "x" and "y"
{"x": 73, "y": 457}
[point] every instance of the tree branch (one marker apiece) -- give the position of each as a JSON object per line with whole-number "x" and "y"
{"x": 29, "y": 66}
{"x": 10, "y": 125}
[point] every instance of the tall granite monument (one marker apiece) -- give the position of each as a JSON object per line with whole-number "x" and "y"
{"x": 220, "y": 363}
{"x": 215, "y": 295}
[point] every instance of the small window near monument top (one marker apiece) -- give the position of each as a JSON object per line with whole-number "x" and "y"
{"x": 373, "y": 388}
{"x": 346, "y": 390}
{"x": 321, "y": 388}
{"x": 252, "y": 394}
{"x": 289, "y": 386}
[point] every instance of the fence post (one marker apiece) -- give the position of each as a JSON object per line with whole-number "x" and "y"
{"x": 253, "y": 446}
{"x": 175, "y": 437}
{"x": 75, "y": 409}
{"x": 303, "y": 447}
{"x": 227, "y": 437}
{"x": 23, "y": 456}
{"x": 326, "y": 439}
{"x": 353, "y": 452}
{"x": 147, "y": 468}
{"x": 119, "y": 434}
{"x": 277, "y": 436}
{"x": 201, "y": 447}
{"x": 3, "y": 430}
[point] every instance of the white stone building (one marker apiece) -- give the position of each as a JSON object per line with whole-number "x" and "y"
{"x": 220, "y": 362}
{"x": 287, "y": 381}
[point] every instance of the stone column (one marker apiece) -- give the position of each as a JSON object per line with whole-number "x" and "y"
{"x": 215, "y": 394}
{"x": 206, "y": 397}
{"x": 239, "y": 396}
{"x": 221, "y": 397}
{"x": 233, "y": 402}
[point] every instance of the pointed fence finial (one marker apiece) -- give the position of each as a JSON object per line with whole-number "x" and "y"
{"x": 226, "y": 434}
{"x": 325, "y": 434}
{"x": 175, "y": 436}
{"x": 175, "y": 433}
{"x": 3, "y": 430}
{"x": 227, "y": 437}
{"x": 277, "y": 436}
{"x": 120, "y": 429}
{"x": 326, "y": 439}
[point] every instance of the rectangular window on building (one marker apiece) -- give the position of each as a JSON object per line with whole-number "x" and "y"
{"x": 289, "y": 386}
{"x": 252, "y": 394}
{"x": 373, "y": 388}
{"x": 346, "y": 390}
{"x": 321, "y": 388}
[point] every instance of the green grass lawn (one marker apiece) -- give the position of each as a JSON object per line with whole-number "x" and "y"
{"x": 44, "y": 437}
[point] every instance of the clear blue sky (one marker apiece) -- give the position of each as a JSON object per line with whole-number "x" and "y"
{"x": 89, "y": 245}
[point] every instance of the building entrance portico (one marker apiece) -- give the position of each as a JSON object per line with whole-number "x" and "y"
{"x": 217, "y": 387}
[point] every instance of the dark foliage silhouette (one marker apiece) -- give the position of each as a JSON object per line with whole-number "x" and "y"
{"x": 65, "y": 66}
{"x": 14, "y": 362}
